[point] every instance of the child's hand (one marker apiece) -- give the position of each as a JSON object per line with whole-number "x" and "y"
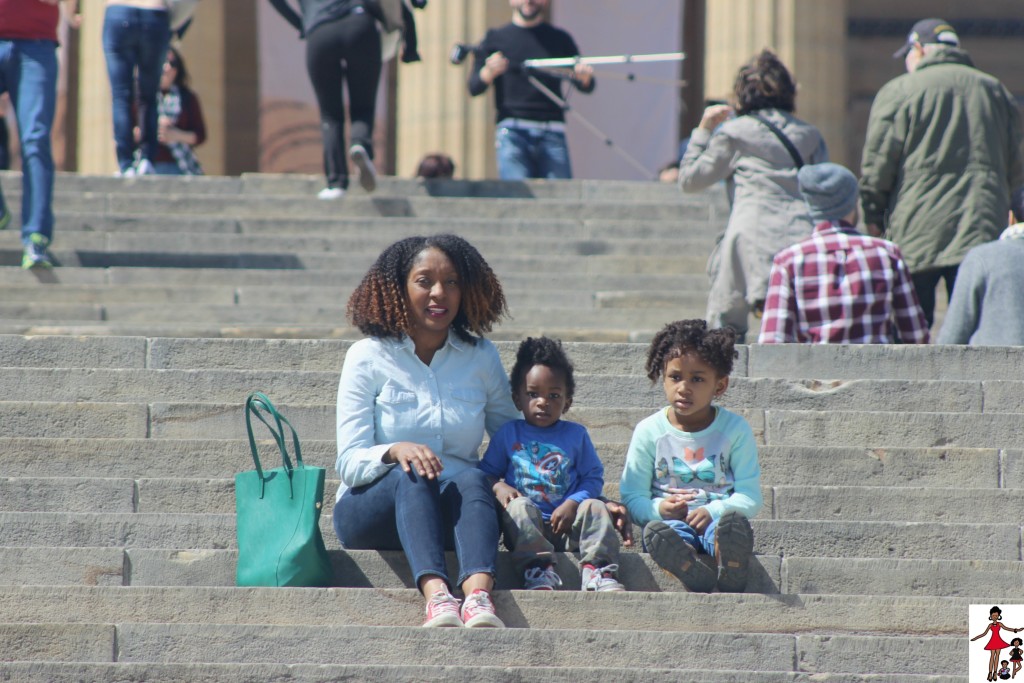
{"x": 505, "y": 493}
{"x": 673, "y": 507}
{"x": 699, "y": 519}
{"x": 563, "y": 517}
{"x": 622, "y": 521}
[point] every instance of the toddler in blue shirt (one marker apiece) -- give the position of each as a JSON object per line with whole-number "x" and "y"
{"x": 548, "y": 479}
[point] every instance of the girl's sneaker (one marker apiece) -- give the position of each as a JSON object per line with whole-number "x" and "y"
{"x": 600, "y": 579}
{"x": 367, "y": 171}
{"x": 734, "y": 546}
{"x": 443, "y": 609}
{"x": 679, "y": 558}
{"x": 541, "y": 578}
{"x": 478, "y": 611}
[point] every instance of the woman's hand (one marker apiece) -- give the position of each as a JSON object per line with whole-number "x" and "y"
{"x": 414, "y": 456}
{"x": 505, "y": 493}
{"x": 564, "y": 517}
{"x": 715, "y": 115}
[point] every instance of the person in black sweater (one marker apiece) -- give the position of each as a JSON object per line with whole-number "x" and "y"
{"x": 531, "y": 127}
{"x": 338, "y": 31}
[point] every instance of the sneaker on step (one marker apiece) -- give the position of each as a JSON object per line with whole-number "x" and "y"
{"x": 367, "y": 172}
{"x": 442, "y": 610}
{"x": 35, "y": 255}
{"x": 600, "y": 579}
{"x": 543, "y": 578}
{"x": 330, "y": 193}
{"x": 145, "y": 167}
{"x": 5, "y": 219}
{"x": 679, "y": 558}
{"x": 734, "y": 547}
{"x": 478, "y": 611}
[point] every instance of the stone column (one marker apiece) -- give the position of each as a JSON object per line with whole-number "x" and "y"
{"x": 810, "y": 38}
{"x": 435, "y": 112}
{"x": 95, "y": 127}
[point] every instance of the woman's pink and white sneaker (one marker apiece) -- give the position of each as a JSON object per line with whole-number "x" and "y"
{"x": 443, "y": 610}
{"x": 478, "y": 611}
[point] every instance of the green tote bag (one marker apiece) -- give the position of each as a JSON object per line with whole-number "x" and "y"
{"x": 278, "y": 512}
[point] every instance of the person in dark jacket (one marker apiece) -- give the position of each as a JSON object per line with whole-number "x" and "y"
{"x": 941, "y": 158}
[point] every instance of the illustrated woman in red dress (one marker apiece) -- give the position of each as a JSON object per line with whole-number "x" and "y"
{"x": 995, "y": 644}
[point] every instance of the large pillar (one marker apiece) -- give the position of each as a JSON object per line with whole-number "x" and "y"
{"x": 435, "y": 112}
{"x": 810, "y": 38}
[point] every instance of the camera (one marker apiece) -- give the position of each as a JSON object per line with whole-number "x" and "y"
{"x": 462, "y": 50}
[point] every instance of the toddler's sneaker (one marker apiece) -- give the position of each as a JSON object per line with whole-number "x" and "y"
{"x": 443, "y": 609}
{"x": 734, "y": 546}
{"x": 5, "y": 219}
{"x": 679, "y": 558}
{"x": 541, "y": 578}
{"x": 367, "y": 172}
{"x": 331, "y": 193}
{"x": 600, "y": 579}
{"x": 478, "y": 611}
{"x": 35, "y": 253}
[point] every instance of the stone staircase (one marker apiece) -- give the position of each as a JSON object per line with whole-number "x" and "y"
{"x": 892, "y": 475}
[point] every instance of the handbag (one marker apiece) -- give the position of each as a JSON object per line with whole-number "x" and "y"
{"x": 278, "y": 512}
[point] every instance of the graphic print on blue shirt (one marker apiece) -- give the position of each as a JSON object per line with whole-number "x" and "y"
{"x": 694, "y": 464}
{"x": 542, "y": 471}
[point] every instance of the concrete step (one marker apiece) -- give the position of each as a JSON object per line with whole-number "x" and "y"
{"x": 115, "y": 566}
{"x": 813, "y": 538}
{"x": 306, "y": 186}
{"x": 56, "y": 672}
{"x": 805, "y": 502}
{"x": 227, "y": 295}
{"x": 52, "y": 566}
{"x": 593, "y": 391}
{"x": 140, "y": 458}
{"x": 334, "y": 278}
{"x": 210, "y": 643}
{"x": 538, "y": 611}
{"x": 778, "y": 361}
{"x": 190, "y": 240}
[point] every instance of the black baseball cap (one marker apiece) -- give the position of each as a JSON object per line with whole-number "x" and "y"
{"x": 929, "y": 31}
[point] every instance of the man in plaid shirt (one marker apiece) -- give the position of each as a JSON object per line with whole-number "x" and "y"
{"x": 839, "y": 286}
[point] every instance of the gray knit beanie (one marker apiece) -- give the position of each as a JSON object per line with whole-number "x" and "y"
{"x": 830, "y": 191}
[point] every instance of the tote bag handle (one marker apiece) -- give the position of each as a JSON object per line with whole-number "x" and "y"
{"x": 256, "y": 404}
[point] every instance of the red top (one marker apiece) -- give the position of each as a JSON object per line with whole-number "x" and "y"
{"x": 28, "y": 20}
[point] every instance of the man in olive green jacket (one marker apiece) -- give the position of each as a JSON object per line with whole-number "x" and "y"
{"x": 941, "y": 158}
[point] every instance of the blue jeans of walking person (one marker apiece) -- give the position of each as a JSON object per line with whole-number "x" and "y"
{"x": 532, "y": 153}
{"x": 135, "y": 43}
{"x": 403, "y": 511}
{"x": 28, "y": 72}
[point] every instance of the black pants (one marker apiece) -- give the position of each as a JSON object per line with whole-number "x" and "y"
{"x": 354, "y": 40}
{"x": 925, "y": 283}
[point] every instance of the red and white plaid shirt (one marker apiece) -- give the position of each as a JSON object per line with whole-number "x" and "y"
{"x": 841, "y": 287}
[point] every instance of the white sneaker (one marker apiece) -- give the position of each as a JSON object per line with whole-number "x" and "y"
{"x": 600, "y": 579}
{"x": 367, "y": 172}
{"x": 541, "y": 578}
{"x": 331, "y": 193}
{"x": 145, "y": 167}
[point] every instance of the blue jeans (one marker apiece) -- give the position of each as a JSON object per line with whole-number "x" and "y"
{"x": 135, "y": 39}
{"x": 704, "y": 543}
{"x": 28, "y": 72}
{"x": 424, "y": 518}
{"x": 532, "y": 153}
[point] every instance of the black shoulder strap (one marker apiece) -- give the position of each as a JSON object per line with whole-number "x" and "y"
{"x": 790, "y": 147}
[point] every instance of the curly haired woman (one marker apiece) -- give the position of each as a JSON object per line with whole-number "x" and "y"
{"x": 736, "y": 143}
{"x": 414, "y": 400}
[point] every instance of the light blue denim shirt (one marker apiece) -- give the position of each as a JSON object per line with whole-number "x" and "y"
{"x": 387, "y": 395}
